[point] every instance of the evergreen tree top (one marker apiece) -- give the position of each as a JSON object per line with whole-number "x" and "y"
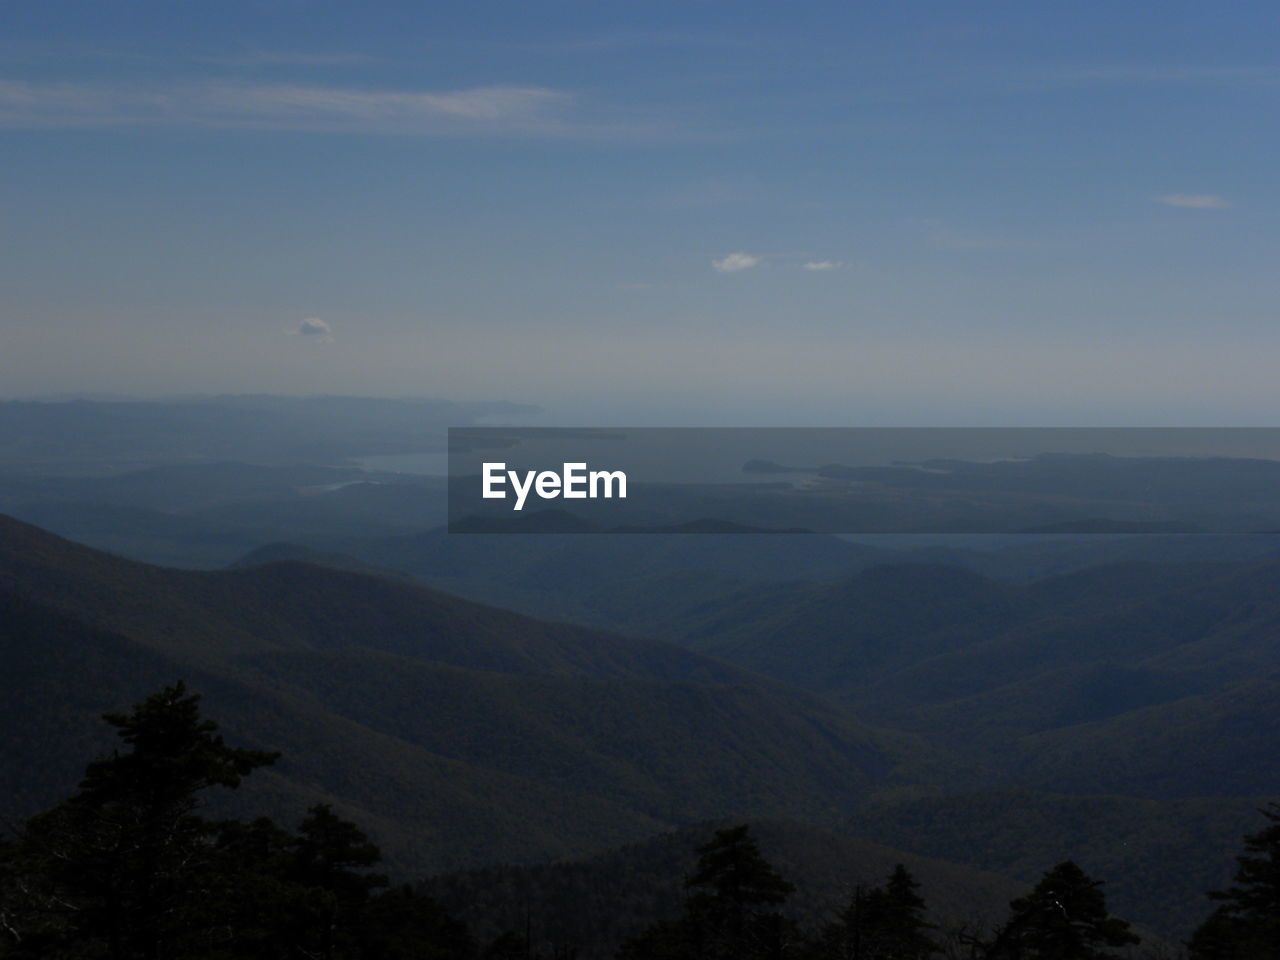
{"x": 175, "y": 753}
{"x": 1064, "y": 916}
{"x": 731, "y": 867}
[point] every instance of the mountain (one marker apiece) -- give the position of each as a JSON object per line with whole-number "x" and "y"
{"x": 846, "y": 635}
{"x": 666, "y": 585}
{"x": 1145, "y": 752}
{"x": 1115, "y": 715}
{"x": 457, "y": 733}
{"x": 56, "y": 669}
{"x": 645, "y": 584}
{"x": 908, "y": 635}
{"x": 283, "y": 552}
{"x": 569, "y": 561}
{"x": 206, "y": 515}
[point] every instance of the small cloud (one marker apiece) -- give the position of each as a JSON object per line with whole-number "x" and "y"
{"x": 1193, "y": 201}
{"x": 823, "y": 265}
{"x": 314, "y": 327}
{"x": 735, "y": 262}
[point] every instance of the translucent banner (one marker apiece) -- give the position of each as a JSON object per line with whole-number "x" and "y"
{"x": 864, "y": 480}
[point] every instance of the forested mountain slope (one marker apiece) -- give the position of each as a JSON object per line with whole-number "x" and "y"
{"x": 459, "y": 733}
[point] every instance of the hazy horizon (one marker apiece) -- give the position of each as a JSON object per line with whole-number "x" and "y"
{"x": 995, "y": 214}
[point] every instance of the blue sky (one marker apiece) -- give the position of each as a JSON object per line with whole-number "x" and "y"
{"x": 984, "y": 213}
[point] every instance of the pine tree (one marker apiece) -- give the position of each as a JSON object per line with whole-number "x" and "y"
{"x": 883, "y": 922}
{"x": 1064, "y": 918}
{"x": 730, "y": 912}
{"x": 1247, "y": 924}
{"x": 329, "y": 864}
{"x": 126, "y": 869}
{"x": 894, "y": 918}
{"x": 123, "y": 862}
{"x": 732, "y": 909}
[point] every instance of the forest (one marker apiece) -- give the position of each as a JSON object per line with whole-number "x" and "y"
{"x": 130, "y": 867}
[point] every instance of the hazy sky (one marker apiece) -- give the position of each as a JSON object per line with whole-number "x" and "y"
{"x": 805, "y": 213}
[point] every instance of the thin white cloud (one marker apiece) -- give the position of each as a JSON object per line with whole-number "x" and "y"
{"x": 283, "y": 100}
{"x": 314, "y": 327}
{"x": 735, "y": 262}
{"x": 476, "y": 110}
{"x": 823, "y": 265}
{"x": 1193, "y": 201}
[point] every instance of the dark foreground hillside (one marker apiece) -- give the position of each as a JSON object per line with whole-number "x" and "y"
{"x": 597, "y": 902}
{"x": 459, "y": 734}
{"x": 1116, "y": 717}
{"x": 130, "y": 867}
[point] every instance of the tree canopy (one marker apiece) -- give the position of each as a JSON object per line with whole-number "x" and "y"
{"x": 1064, "y": 917}
{"x": 1246, "y": 924}
{"x": 127, "y": 868}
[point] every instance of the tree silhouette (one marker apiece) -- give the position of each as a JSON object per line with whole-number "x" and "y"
{"x": 126, "y": 868}
{"x": 329, "y": 862}
{"x": 734, "y": 895}
{"x": 882, "y": 922}
{"x": 1247, "y": 924}
{"x": 124, "y": 858}
{"x": 730, "y": 912}
{"x": 1064, "y": 917}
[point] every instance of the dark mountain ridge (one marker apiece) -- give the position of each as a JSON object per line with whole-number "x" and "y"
{"x": 459, "y": 733}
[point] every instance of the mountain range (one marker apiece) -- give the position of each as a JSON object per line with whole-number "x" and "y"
{"x": 457, "y": 733}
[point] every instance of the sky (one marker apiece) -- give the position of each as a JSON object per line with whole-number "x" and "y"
{"x": 650, "y": 213}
